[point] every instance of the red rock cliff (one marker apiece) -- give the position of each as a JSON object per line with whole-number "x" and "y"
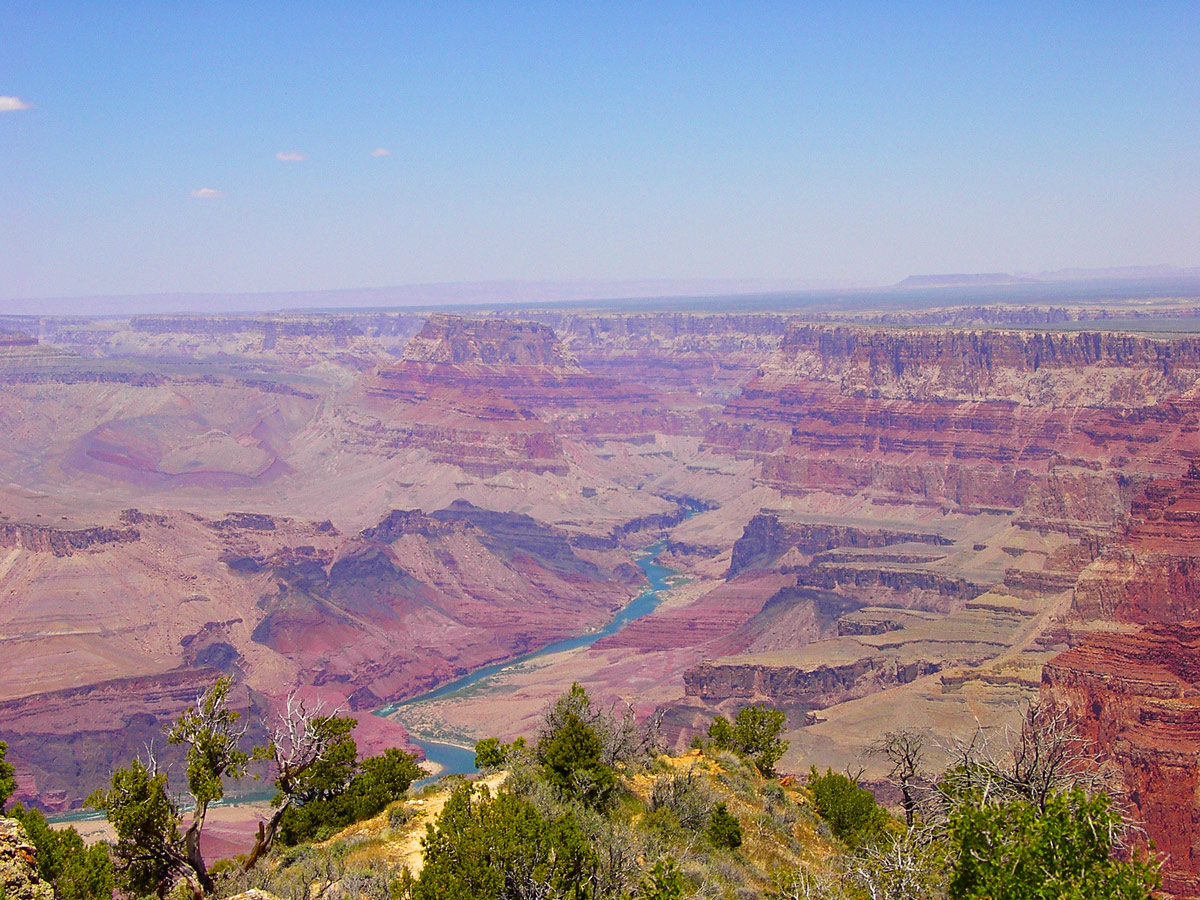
{"x": 1136, "y": 695}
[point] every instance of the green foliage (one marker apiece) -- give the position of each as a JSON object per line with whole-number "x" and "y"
{"x": 486, "y": 848}
{"x": 149, "y": 849}
{"x": 76, "y": 871}
{"x": 571, "y": 757}
{"x": 210, "y": 731}
{"x": 720, "y": 732}
{"x": 332, "y": 771}
{"x": 384, "y": 778}
{"x": 8, "y": 782}
{"x": 851, "y": 811}
{"x": 575, "y": 701}
{"x": 753, "y": 734}
{"x": 724, "y": 830}
{"x": 664, "y": 881}
{"x": 1014, "y": 851}
{"x": 489, "y": 753}
{"x": 756, "y": 731}
{"x": 379, "y": 781}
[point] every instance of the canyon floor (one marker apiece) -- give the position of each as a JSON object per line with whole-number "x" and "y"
{"x": 892, "y": 520}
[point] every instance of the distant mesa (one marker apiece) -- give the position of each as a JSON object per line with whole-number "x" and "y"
{"x": 1114, "y": 274}
{"x": 960, "y": 280}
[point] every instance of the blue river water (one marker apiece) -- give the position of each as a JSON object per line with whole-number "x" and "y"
{"x": 454, "y": 759}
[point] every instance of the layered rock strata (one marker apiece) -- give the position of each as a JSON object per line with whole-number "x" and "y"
{"x": 1134, "y": 693}
{"x": 105, "y": 644}
{"x": 498, "y": 395}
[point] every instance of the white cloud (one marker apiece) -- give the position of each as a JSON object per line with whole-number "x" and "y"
{"x": 13, "y": 104}
{"x": 206, "y": 193}
{"x": 289, "y": 157}
{"x": 380, "y": 151}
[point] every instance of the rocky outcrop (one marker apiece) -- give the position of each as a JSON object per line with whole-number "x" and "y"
{"x": 1056, "y": 426}
{"x": 766, "y": 538}
{"x": 811, "y": 687}
{"x": 61, "y": 541}
{"x": 489, "y": 342}
{"x": 711, "y": 355}
{"x": 1153, "y": 573}
{"x": 225, "y": 326}
{"x": 16, "y": 339}
{"x": 492, "y": 395}
{"x": 367, "y": 612}
{"x": 509, "y": 535}
{"x": 1021, "y": 316}
{"x": 19, "y": 879}
{"x": 873, "y": 584}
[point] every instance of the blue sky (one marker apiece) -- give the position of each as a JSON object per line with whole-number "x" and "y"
{"x": 856, "y": 142}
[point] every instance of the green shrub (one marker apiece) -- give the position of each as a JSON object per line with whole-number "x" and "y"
{"x": 724, "y": 830}
{"x": 8, "y": 782}
{"x": 663, "y": 822}
{"x": 720, "y": 733}
{"x": 380, "y": 780}
{"x": 571, "y": 757}
{"x": 664, "y": 881}
{"x": 1016, "y": 850}
{"x": 399, "y": 816}
{"x": 756, "y": 731}
{"x": 489, "y": 754}
{"x": 753, "y": 734}
{"x": 76, "y": 871}
{"x": 485, "y": 848}
{"x": 851, "y": 811}
{"x": 685, "y": 796}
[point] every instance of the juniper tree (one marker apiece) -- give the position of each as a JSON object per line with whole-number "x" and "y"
{"x": 212, "y": 733}
{"x": 8, "y": 782}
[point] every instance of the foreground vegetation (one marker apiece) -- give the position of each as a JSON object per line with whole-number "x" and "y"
{"x": 592, "y": 810}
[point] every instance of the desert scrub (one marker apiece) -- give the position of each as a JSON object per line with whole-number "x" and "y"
{"x": 685, "y": 796}
{"x": 399, "y": 815}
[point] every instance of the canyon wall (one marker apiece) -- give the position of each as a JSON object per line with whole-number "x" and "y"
{"x": 109, "y": 632}
{"x": 878, "y": 526}
{"x": 1134, "y": 693}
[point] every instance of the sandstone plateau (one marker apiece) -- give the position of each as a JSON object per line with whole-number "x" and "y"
{"x": 873, "y": 525}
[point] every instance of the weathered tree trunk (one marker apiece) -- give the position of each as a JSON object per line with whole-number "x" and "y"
{"x": 191, "y": 847}
{"x": 265, "y": 839}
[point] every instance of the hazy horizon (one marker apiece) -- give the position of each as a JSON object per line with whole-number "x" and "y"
{"x": 153, "y": 150}
{"x": 1074, "y": 287}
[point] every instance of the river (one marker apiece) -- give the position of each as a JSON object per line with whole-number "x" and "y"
{"x": 453, "y": 759}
